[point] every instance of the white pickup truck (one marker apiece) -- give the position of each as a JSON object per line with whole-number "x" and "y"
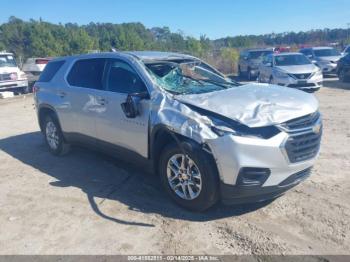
{"x": 11, "y": 77}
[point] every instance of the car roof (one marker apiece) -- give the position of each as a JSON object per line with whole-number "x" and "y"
{"x": 287, "y": 54}
{"x": 258, "y": 49}
{"x": 156, "y": 55}
{"x": 141, "y": 55}
{"x": 321, "y": 47}
{"x": 5, "y": 53}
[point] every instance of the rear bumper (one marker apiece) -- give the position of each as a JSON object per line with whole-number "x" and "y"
{"x": 236, "y": 194}
{"x": 13, "y": 86}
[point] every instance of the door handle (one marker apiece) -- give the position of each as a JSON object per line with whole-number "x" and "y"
{"x": 62, "y": 94}
{"x": 102, "y": 101}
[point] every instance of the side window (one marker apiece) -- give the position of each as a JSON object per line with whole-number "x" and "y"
{"x": 50, "y": 70}
{"x": 121, "y": 78}
{"x": 307, "y": 52}
{"x": 267, "y": 59}
{"x": 87, "y": 73}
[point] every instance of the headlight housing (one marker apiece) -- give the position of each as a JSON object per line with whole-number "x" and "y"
{"x": 224, "y": 126}
{"x": 280, "y": 74}
{"x": 318, "y": 73}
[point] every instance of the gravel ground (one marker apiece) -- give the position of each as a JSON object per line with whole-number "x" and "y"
{"x": 88, "y": 203}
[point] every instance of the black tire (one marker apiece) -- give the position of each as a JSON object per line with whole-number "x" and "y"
{"x": 62, "y": 147}
{"x": 26, "y": 90}
{"x": 270, "y": 80}
{"x": 249, "y": 75}
{"x": 239, "y": 72}
{"x": 342, "y": 76}
{"x": 209, "y": 193}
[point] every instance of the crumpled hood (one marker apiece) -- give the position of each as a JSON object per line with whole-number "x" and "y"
{"x": 299, "y": 69}
{"x": 255, "y": 105}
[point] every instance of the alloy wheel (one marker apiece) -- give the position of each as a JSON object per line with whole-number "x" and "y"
{"x": 184, "y": 177}
{"x": 52, "y": 135}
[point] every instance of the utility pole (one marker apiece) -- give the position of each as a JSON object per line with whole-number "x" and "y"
{"x": 348, "y": 24}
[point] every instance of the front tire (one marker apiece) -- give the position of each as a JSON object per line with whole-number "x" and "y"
{"x": 190, "y": 179}
{"x": 342, "y": 76}
{"x": 54, "y": 137}
{"x": 249, "y": 75}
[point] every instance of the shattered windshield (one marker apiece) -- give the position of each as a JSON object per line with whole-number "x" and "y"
{"x": 189, "y": 78}
{"x": 7, "y": 60}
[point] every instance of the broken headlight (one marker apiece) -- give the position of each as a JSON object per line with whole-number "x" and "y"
{"x": 223, "y": 127}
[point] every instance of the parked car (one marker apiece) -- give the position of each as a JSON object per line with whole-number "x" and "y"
{"x": 11, "y": 77}
{"x": 324, "y": 57}
{"x": 344, "y": 68}
{"x": 206, "y": 136}
{"x": 293, "y": 70}
{"x": 346, "y": 50}
{"x": 33, "y": 68}
{"x": 249, "y": 61}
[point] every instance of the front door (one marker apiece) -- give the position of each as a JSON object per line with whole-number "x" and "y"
{"x": 112, "y": 125}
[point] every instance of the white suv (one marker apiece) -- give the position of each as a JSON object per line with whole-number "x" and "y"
{"x": 11, "y": 77}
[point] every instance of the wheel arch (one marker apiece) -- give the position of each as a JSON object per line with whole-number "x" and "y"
{"x": 162, "y": 135}
{"x": 45, "y": 110}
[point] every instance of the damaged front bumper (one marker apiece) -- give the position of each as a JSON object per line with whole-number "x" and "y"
{"x": 253, "y": 169}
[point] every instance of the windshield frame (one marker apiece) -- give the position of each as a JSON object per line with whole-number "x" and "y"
{"x": 335, "y": 52}
{"x": 292, "y": 55}
{"x": 13, "y": 62}
{"x": 261, "y": 52}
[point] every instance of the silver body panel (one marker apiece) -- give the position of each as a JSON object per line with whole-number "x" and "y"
{"x": 82, "y": 111}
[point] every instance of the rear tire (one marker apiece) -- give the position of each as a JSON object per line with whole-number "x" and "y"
{"x": 54, "y": 137}
{"x": 271, "y": 80}
{"x": 249, "y": 75}
{"x": 342, "y": 76}
{"x": 204, "y": 187}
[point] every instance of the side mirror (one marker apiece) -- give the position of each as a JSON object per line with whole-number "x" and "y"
{"x": 309, "y": 56}
{"x": 245, "y": 57}
{"x": 268, "y": 64}
{"x": 131, "y": 106}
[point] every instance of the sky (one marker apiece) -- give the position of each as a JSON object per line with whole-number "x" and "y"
{"x": 214, "y": 19}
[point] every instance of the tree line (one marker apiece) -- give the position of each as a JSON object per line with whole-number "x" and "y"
{"x": 37, "y": 38}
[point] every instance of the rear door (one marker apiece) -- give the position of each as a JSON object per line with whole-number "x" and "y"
{"x": 82, "y": 97}
{"x": 113, "y": 127}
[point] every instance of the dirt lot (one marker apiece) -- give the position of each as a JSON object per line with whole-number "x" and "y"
{"x": 87, "y": 203}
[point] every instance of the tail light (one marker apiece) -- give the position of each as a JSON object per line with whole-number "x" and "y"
{"x": 13, "y": 76}
{"x": 41, "y": 61}
{"x": 35, "y": 89}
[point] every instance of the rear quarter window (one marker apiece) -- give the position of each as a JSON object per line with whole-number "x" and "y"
{"x": 50, "y": 70}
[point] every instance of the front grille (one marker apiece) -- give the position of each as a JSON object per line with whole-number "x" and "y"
{"x": 302, "y": 122}
{"x": 301, "y": 76}
{"x": 303, "y": 147}
{"x": 305, "y": 137}
{"x": 301, "y": 85}
{"x": 5, "y": 77}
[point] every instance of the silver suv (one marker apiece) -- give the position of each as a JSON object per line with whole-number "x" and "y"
{"x": 324, "y": 57}
{"x": 206, "y": 136}
{"x": 249, "y": 62}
